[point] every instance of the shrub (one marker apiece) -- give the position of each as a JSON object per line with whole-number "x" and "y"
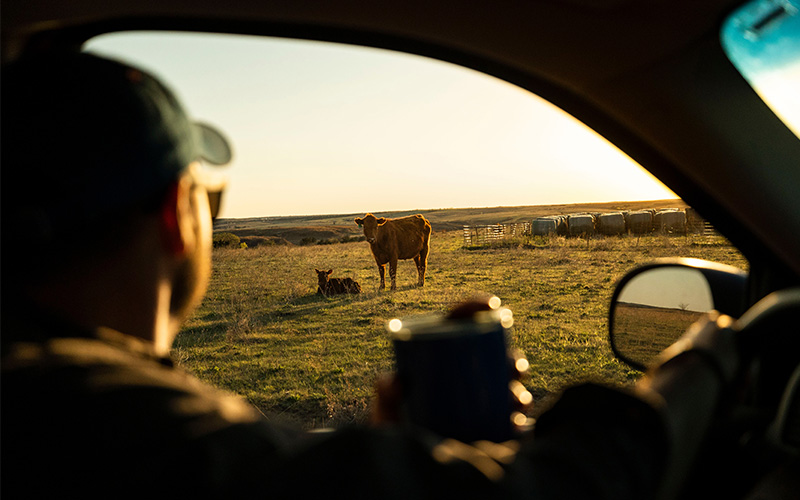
{"x": 350, "y": 239}
{"x": 226, "y": 240}
{"x": 258, "y": 241}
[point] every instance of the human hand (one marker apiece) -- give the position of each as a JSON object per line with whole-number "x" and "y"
{"x": 389, "y": 395}
{"x": 388, "y": 399}
{"x": 712, "y": 337}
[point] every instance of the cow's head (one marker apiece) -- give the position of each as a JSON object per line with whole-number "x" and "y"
{"x": 371, "y": 223}
{"x": 322, "y": 276}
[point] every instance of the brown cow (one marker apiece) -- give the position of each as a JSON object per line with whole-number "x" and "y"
{"x": 398, "y": 239}
{"x": 334, "y": 286}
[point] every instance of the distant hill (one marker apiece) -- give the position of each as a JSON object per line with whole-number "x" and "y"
{"x": 298, "y": 227}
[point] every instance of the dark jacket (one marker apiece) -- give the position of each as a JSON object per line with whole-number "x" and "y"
{"x": 98, "y": 414}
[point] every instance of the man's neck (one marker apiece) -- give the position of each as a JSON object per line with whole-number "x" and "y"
{"x": 129, "y": 306}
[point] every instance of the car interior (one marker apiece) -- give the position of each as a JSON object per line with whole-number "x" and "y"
{"x": 701, "y": 95}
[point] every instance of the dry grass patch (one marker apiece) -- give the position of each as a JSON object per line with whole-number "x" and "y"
{"x": 264, "y": 333}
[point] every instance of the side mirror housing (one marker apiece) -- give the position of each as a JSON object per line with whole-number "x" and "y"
{"x": 653, "y": 305}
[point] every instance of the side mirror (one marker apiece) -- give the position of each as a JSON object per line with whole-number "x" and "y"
{"x": 653, "y": 305}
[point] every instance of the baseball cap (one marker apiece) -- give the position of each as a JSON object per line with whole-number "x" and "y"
{"x": 84, "y": 137}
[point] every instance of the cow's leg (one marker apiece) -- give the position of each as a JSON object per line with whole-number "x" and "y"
{"x": 381, "y": 271}
{"x": 422, "y": 264}
{"x": 393, "y": 272}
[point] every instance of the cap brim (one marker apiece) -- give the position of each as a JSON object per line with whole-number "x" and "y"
{"x": 214, "y": 148}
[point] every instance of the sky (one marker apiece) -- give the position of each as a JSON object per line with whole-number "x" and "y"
{"x": 670, "y": 287}
{"x": 322, "y": 128}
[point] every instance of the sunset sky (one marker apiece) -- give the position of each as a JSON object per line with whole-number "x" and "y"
{"x": 321, "y": 128}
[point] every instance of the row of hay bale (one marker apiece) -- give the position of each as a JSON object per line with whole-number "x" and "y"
{"x": 666, "y": 221}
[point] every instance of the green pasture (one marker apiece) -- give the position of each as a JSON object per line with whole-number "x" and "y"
{"x": 262, "y": 331}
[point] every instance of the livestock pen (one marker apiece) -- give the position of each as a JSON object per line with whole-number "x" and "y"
{"x": 480, "y": 235}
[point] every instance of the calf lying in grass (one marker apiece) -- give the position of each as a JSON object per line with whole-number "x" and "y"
{"x": 334, "y": 286}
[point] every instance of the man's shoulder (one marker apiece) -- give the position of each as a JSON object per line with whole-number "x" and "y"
{"x": 112, "y": 372}
{"x": 102, "y": 350}
{"x": 108, "y": 405}
{"x": 99, "y": 348}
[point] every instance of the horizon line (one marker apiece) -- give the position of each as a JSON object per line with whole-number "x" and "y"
{"x": 347, "y": 214}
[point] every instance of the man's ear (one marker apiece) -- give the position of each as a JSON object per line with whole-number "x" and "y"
{"x": 176, "y": 218}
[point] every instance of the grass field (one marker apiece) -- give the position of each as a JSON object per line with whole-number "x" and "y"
{"x": 262, "y": 331}
{"x": 642, "y": 332}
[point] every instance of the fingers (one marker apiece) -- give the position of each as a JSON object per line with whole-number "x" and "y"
{"x": 521, "y": 398}
{"x": 479, "y": 303}
{"x": 388, "y": 398}
{"x": 519, "y": 364}
{"x": 714, "y": 337}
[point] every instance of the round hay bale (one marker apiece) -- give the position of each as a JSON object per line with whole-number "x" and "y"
{"x": 581, "y": 224}
{"x": 611, "y": 223}
{"x": 640, "y": 222}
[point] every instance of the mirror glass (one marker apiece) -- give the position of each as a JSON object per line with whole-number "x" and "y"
{"x": 655, "y": 308}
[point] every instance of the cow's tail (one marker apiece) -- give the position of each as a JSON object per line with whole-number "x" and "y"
{"x": 426, "y": 234}
{"x": 426, "y": 230}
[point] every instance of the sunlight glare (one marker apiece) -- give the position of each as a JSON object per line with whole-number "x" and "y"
{"x": 395, "y": 325}
{"x": 506, "y": 318}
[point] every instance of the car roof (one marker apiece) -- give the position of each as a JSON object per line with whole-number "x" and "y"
{"x": 649, "y": 76}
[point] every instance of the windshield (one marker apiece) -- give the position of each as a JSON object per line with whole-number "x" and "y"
{"x": 762, "y": 39}
{"x": 524, "y": 201}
